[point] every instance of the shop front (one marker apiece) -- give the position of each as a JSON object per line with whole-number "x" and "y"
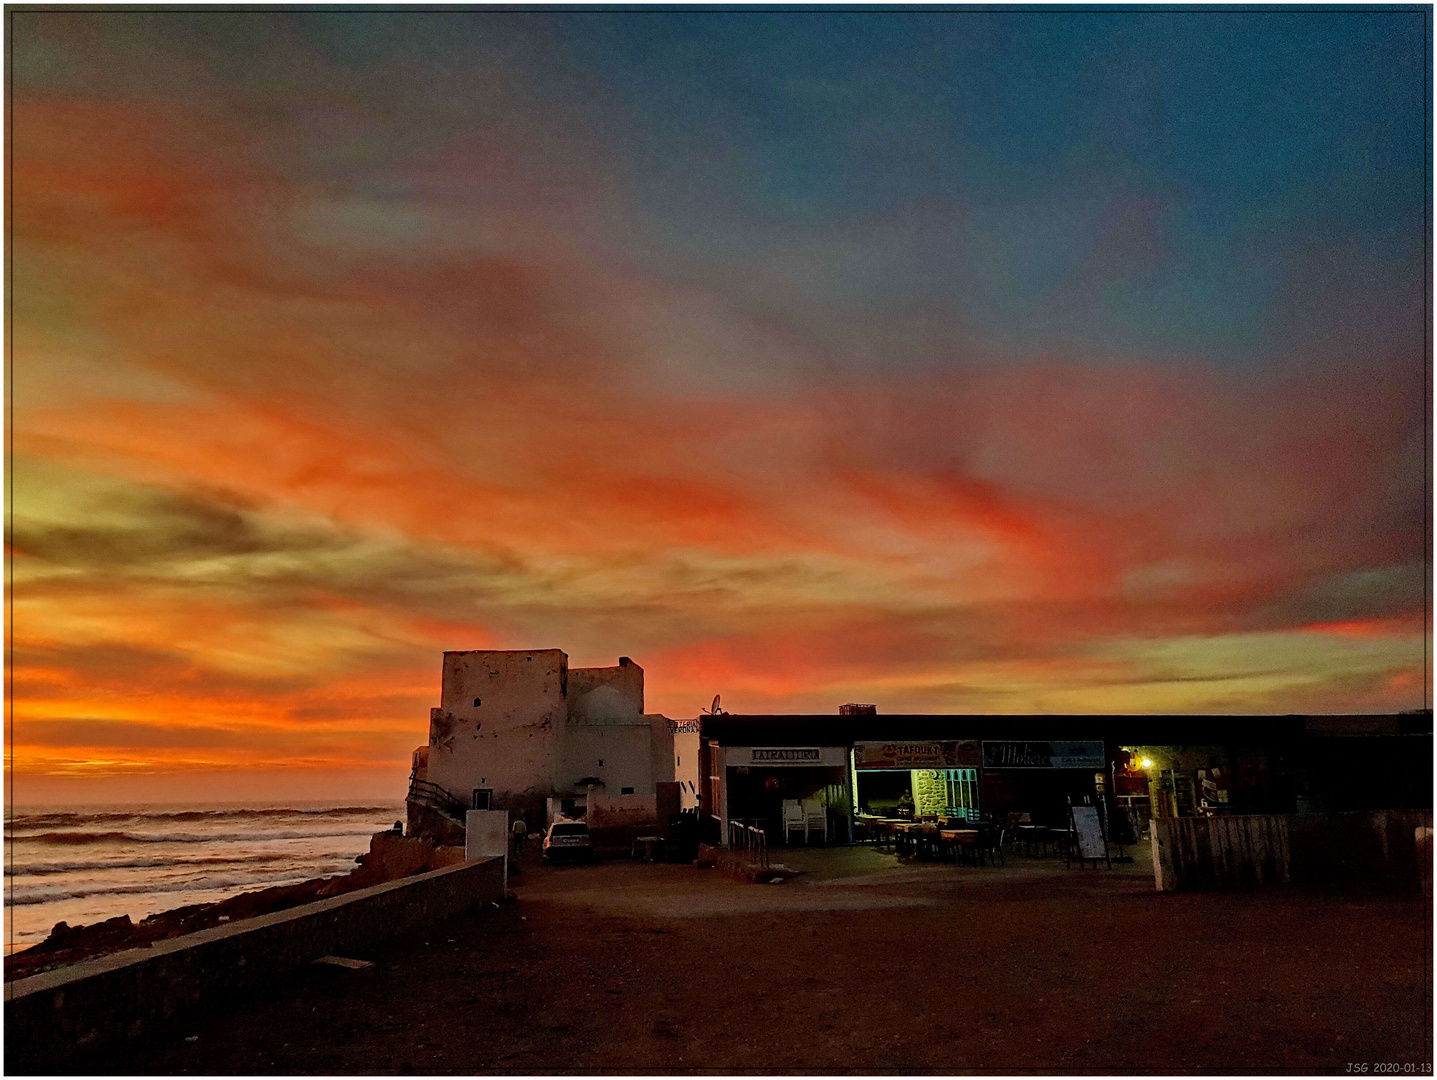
{"x": 917, "y": 779}
{"x": 1041, "y": 778}
{"x": 790, "y": 792}
{"x": 770, "y": 770}
{"x": 1162, "y": 781}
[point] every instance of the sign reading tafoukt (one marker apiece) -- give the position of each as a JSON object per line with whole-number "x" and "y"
{"x": 1042, "y": 755}
{"x": 953, "y": 754}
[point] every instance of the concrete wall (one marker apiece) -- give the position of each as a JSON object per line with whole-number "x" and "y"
{"x": 141, "y": 991}
{"x": 613, "y": 812}
{"x": 1376, "y": 849}
{"x": 511, "y": 741}
{"x": 614, "y": 822}
{"x": 486, "y": 835}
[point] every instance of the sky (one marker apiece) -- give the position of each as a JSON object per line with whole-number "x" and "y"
{"x": 956, "y": 361}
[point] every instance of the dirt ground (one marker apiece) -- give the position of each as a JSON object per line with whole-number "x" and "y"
{"x": 864, "y": 964}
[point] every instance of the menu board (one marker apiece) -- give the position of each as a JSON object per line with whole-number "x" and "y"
{"x": 1091, "y": 844}
{"x": 951, "y": 754}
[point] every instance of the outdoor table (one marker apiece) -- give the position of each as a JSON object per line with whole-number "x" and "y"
{"x": 903, "y": 834}
{"x": 1061, "y": 839}
{"x": 925, "y": 840}
{"x": 955, "y": 839}
{"x": 883, "y": 829}
{"x": 1030, "y": 836}
{"x": 650, "y": 844}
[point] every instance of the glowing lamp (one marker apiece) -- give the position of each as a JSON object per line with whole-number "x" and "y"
{"x": 1147, "y": 763}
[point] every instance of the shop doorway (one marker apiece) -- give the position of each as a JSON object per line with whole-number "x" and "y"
{"x": 918, "y": 792}
{"x": 757, "y": 796}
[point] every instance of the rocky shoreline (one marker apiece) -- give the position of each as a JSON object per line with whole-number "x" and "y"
{"x": 390, "y": 856}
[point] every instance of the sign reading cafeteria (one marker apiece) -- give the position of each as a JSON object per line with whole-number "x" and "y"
{"x": 956, "y": 754}
{"x": 785, "y": 755}
{"x": 1042, "y": 755}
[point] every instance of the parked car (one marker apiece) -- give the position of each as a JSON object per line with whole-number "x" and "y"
{"x": 568, "y": 840}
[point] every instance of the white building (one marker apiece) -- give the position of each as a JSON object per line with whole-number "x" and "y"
{"x": 516, "y": 728}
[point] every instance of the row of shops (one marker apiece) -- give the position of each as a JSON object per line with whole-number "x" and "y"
{"x": 997, "y": 768}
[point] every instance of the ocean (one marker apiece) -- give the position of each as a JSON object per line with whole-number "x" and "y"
{"x": 90, "y": 864}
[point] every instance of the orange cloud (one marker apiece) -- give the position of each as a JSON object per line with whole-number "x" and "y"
{"x": 1366, "y": 628}
{"x": 332, "y": 457}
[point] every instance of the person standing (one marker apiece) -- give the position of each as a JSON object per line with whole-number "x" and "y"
{"x": 520, "y": 833}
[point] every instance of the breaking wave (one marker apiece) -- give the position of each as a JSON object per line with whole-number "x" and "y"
{"x": 23, "y": 895}
{"x": 60, "y": 820}
{"x": 139, "y": 864}
{"x": 179, "y": 837}
{"x": 91, "y": 863}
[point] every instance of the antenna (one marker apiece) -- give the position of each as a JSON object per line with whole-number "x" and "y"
{"x": 714, "y": 708}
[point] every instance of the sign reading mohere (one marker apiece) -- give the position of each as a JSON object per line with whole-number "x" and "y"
{"x": 1043, "y": 755}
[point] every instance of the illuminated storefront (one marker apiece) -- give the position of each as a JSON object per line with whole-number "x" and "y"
{"x": 937, "y": 777}
{"x": 767, "y": 770}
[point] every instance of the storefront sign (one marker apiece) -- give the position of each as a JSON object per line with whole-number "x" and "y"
{"x": 954, "y": 754}
{"x": 784, "y": 755}
{"x": 684, "y": 727}
{"x": 1043, "y": 755}
{"x": 788, "y": 755}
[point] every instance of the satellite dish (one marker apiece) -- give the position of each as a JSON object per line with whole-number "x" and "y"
{"x": 714, "y": 708}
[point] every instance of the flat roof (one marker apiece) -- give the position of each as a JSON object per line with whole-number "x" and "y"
{"x": 830, "y": 729}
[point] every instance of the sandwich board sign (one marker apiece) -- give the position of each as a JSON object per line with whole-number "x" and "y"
{"x": 1088, "y": 835}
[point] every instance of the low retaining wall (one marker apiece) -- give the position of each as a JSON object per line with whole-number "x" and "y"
{"x": 1376, "y": 849}
{"x": 50, "y": 1016}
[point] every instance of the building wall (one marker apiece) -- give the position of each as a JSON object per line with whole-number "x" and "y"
{"x": 930, "y": 791}
{"x": 527, "y": 726}
{"x": 511, "y": 742}
{"x": 627, "y": 678}
{"x": 686, "y": 766}
{"x": 661, "y": 748}
{"x": 617, "y": 755}
{"x": 608, "y": 738}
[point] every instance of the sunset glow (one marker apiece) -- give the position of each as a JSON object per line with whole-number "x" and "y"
{"x": 795, "y": 358}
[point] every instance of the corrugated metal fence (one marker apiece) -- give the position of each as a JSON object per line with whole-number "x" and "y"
{"x": 1377, "y": 849}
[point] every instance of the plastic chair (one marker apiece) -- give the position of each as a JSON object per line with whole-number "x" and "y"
{"x": 817, "y": 823}
{"x": 991, "y": 843}
{"x": 794, "y": 819}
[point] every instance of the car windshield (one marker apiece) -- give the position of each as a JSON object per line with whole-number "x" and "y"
{"x": 570, "y": 830}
